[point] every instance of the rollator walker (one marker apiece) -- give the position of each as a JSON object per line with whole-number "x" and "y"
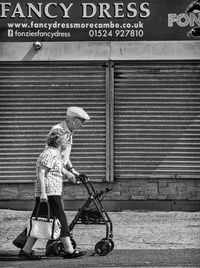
{"x": 87, "y": 215}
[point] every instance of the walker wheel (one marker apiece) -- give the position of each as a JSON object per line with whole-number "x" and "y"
{"x": 51, "y": 248}
{"x": 59, "y": 248}
{"x": 102, "y": 248}
{"x": 110, "y": 241}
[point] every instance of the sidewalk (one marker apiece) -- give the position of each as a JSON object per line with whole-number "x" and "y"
{"x": 142, "y": 239}
{"x": 134, "y": 231}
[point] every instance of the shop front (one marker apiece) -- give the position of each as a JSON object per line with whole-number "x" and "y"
{"x": 134, "y": 67}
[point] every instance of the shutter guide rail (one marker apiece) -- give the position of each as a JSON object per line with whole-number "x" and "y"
{"x": 109, "y": 122}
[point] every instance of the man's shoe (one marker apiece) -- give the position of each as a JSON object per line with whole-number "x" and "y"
{"x": 74, "y": 254}
{"x": 28, "y": 256}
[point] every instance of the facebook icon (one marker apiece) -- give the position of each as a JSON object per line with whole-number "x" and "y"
{"x": 10, "y": 33}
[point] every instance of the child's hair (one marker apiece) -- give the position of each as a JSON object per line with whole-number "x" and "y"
{"x": 54, "y": 138}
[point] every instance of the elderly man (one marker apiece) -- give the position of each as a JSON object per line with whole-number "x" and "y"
{"x": 75, "y": 118}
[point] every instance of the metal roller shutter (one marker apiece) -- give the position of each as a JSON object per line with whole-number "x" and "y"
{"x": 157, "y": 116}
{"x": 33, "y": 97}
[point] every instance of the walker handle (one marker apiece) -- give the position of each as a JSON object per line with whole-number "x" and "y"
{"x": 82, "y": 178}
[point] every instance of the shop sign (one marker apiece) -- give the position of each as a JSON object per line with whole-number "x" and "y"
{"x": 79, "y": 20}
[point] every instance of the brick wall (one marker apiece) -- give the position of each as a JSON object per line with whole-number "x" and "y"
{"x": 141, "y": 189}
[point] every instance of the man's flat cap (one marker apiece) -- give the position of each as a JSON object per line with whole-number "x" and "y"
{"x": 78, "y": 111}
